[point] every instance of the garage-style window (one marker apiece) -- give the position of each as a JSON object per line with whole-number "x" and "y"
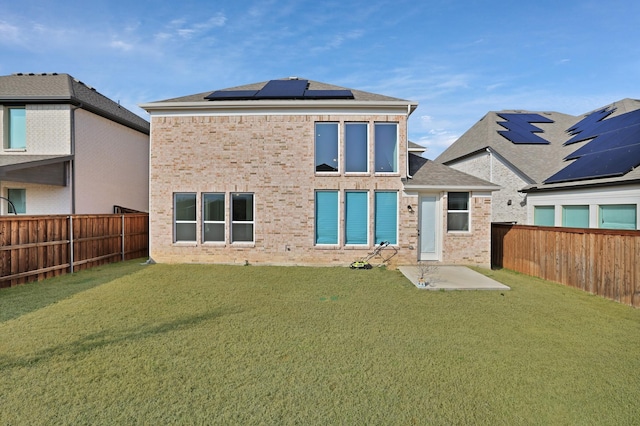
{"x": 458, "y": 211}
{"x": 544, "y": 215}
{"x": 618, "y": 216}
{"x": 184, "y": 213}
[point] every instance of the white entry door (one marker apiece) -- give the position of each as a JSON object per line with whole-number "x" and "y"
{"x": 428, "y": 228}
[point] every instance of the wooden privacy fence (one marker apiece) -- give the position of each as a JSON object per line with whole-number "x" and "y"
{"x": 600, "y": 261}
{"x": 33, "y": 248}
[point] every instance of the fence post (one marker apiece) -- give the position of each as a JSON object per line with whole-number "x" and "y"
{"x": 123, "y": 238}
{"x": 71, "y": 244}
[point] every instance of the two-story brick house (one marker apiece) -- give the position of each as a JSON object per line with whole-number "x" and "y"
{"x": 294, "y": 171}
{"x": 69, "y": 149}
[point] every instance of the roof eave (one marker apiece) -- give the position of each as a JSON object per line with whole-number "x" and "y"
{"x": 238, "y": 105}
{"x": 452, "y": 187}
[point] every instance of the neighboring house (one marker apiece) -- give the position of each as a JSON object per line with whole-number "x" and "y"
{"x": 557, "y": 169}
{"x": 294, "y": 171}
{"x": 68, "y": 149}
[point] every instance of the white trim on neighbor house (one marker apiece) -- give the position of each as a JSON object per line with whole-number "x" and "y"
{"x": 592, "y": 197}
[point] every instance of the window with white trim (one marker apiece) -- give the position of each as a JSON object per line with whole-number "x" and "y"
{"x": 544, "y": 215}
{"x": 326, "y": 217}
{"x": 356, "y": 148}
{"x": 386, "y": 217}
{"x": 617, "y": 216}
{"x": 386, "y": 147}
{"x": 458, "y": 211}
{"x": 242, "y": 224}
{"x": 16, "y": 133}
{"x": 326, "y": 147}
{"x": 356, "y": 217}
{"x": 213, "y": 214}
{"x": 184, "y": 213}
{"x": 18, "y": 200}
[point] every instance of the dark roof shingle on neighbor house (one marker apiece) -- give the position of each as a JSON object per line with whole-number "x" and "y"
{"x": 426, "y": 174}
{"x": 537, "y": 162}
{"x": 63, "y": 88}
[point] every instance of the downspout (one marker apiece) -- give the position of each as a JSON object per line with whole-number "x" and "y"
{"x": 490, "y": 165}
{"x": 407, "y": 144}
{"x": 72, "y": 168}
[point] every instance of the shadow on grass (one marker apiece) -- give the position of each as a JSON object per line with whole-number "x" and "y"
{"x": 106, "y": 338}
{"x": 26, "y": 298}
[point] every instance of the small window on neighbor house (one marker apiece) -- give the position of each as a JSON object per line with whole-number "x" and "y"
{"x": 326, "y": 224}
{"x": 213, "y": 217}
{"x": 458, "y": 211}
{"x": 184, "y": 212}
{"x": 326, "y": 147}
{"x": 356, "y": 217}
{"x": 386, "y": 217}
{"x": 18, "y": 198}
{"x": 618, "y": 216}
{"x": 356, "y": 148}
{"x": 241, "y": 217}
{"x": 575, "y": 216}
{"x": 17, "y": 132}
{"x": 544, "y": 215}
{"x": 386, "y": 147}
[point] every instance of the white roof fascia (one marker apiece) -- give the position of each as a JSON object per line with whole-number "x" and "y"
{"x": 287, "y": 107}
{"x": 451, "y": 188}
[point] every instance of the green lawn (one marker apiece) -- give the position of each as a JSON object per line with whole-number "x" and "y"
{"x": 210, "y": 344}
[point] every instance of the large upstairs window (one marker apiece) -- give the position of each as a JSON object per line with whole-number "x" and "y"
{"x": 17, "y": 128}
{"x": 326, "y": 147}
{"x": 386, "y": 147}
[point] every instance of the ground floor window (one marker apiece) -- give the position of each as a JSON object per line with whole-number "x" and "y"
{"x": 618, "y": 216}
{"x": 213, "y": 214}
{"x": 241, "y": 217}
{"x": 575, "y": 216}
{"x": 386, "y": 217}
{"x": 326, "y": 209}
{"x": 184, "y": 208}
{"x": 458, "y": 211}
{"x": 544, "y": 215}
{"x": 356, "y": 217}
{"x": 18, "y": 198}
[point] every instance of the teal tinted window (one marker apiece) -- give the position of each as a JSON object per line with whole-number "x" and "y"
{"x": 356, "y": 218}
{"x": 618, "y": 216}
{"x": 386, "y": 220}
{"x": 575, "y": 216}
{"x": 326, "y": 217}
{"x": 18, "y": 198}
{"x": 544, "y": 215}
{"x": 17, "y": 128}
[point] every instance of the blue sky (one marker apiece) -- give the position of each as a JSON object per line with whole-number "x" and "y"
{"x": 458, "y": 59}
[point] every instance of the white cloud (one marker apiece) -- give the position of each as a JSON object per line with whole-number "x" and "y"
{"x": 121, "y": 45}
{"x": 9, "y": 33}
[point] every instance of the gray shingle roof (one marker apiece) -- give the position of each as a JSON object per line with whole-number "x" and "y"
{"x": 536, "y": 161}
{"x": 63, "y": 88}
{"x": 359, "y": 95}
{"x": 428, "y": 173}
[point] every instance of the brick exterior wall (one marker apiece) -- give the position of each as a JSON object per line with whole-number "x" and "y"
{"x": 271, "y": 156}
{"x": 473, "y": 247}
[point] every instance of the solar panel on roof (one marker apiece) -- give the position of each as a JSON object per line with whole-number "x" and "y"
{"x": 611, "y": 140}
{"x": 519, "y": 127}
{"x": 227, "y": 95}
{"x": 283, "y": 89}
{"x": 614, "y": 162}
{"x": 328, "y": 94}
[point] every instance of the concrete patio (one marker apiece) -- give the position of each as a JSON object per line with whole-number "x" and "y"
{"x": 452, "y": 278}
